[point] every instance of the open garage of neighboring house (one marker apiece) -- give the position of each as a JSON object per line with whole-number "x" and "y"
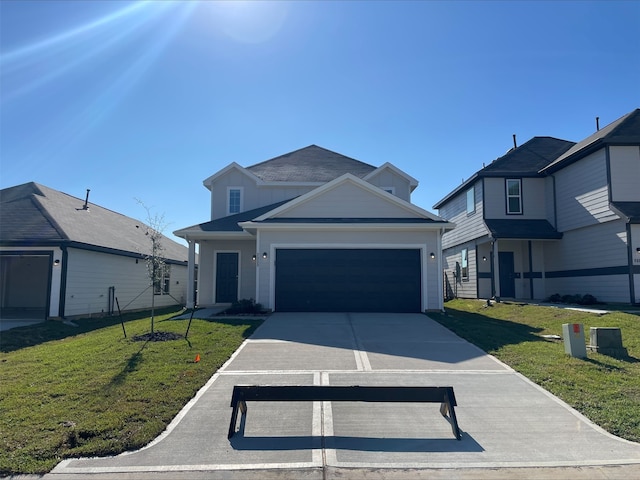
{"x": 24, "y": 285}
{"x": 348, "y": 280}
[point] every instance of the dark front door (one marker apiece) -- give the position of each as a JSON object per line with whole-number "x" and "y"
{"x": 507, "y": 274}
{"x": 226, "y": 277}
{"x": 348, "y": 280}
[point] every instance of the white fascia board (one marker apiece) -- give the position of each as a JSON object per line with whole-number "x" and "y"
{"x": 348, "y": 226}
{"x": 413, "y": 183}
{"x": 233, "y": 165}
{"x": 347, "y": 177}
{"x": 194, "y": 234}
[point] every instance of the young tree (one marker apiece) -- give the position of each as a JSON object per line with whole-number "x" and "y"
{"x": 155, "y": 259}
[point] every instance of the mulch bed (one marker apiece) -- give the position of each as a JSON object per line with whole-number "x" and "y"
{"x": 158, "y": 337}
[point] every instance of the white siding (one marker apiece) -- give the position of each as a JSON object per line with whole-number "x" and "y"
{"x": 625, "y": 173}
{"x": 468, "y": 226}
{"x": 207, "y": 274}
{"x": 254, "y": 196}
{"x": 388, "y": 178}
{"x": 582, "y": 195}
{"x": 90, "y": 274}
{"x": 427, "y": 241}
{"x": 347, "y": 201}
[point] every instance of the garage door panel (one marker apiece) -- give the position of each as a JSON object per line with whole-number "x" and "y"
{"x": 355, "y": 280}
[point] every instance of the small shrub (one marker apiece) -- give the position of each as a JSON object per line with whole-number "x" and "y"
{"x": 588, "y": 300}
{"x": 246, "y": 306}
{"x": 555, "y": 298}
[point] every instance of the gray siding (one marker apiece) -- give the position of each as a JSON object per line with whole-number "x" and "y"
{"x": 533, "y": 198}
{"x": 457, "y": 286}
{"x": 594, "y": 247}
{"x": 582, "y": 193}
{"x": 468, "y": 226}
{"x": 625, "y": 173}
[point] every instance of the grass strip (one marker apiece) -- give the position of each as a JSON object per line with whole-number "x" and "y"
{"x": 87, "y": 391}
{"x": 603, "y": 388}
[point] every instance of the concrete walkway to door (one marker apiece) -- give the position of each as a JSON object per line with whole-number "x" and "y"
{"x": 511, "y": 427}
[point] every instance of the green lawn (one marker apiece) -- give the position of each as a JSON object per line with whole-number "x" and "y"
{"x": 83, "y": 391}
{"x": 605, "y": 389}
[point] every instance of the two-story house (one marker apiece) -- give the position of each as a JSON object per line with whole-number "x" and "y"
{"x": 550, "y": 216}
{"x": 314, "y": 230}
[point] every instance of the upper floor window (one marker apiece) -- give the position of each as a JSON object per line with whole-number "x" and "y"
{"x": 390, "y": 190}
{"x": 234, "y": 200}
{"x": 471, "y": 200}
{"x": 514, "y": 196}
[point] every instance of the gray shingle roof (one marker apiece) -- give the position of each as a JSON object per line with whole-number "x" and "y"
{"x": 522, "y": 229}
{"x": 230, "y": 223}
{"x": 524, "y": 161}
{"x": 625, "y": 130}
{"x": 309, "y": 164}
{"x": 529, "y": 158}
{"x": 32, "y": 214}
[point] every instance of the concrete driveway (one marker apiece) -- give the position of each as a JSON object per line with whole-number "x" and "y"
{"x": 511, "y": 427}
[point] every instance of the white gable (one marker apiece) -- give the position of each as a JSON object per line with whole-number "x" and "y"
{"x": 348, "y": 197}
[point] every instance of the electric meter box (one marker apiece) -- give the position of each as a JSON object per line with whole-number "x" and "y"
{"x": 573, "y": 336}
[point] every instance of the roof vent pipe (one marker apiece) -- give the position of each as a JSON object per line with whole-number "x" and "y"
{"x": 86, "y": 201}
{"x": 598, "y": 124}
{"x": 515, "y": 145}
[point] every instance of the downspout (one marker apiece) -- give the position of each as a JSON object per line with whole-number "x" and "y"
{"x": 440, "y": 270}
{"x": 63, "y": 281}
{"x": 632, "y": 288}
{"x": 530, "y": 272}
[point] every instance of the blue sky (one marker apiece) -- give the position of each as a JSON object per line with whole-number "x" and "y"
{"x": 144, "y": 100}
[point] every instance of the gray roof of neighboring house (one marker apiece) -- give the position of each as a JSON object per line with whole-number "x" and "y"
{"x": 524, "y": 229}
{"x": 526, "y": 160}
{"x": 35, "y": 215}
{"x": 310, "y": 164}
{"x": 623, "y": 131}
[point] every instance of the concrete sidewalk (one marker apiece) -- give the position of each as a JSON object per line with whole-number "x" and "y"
{"x": 511, "y": 427}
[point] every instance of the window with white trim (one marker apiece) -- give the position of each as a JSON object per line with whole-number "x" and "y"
{"x": 514, "y": 196}
{"x": 234, "y": 200}
{"x": 464, "y": 264}
{"x": 391, "y": 190}
{"x": 163, "y": 281}
{"x": 471, "y": 200}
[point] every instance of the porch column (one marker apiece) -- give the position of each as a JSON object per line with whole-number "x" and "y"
{"x": 191, "y": 277}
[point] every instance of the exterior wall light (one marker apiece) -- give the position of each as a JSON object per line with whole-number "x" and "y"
{"x": 56, "y": 263}
{"x": 638, "y": 250}
{"x": 264, "y": 255}
{"x": 432, "y": 255}
{"x": 253, "y": 258}
{"x": 484, "y": 259}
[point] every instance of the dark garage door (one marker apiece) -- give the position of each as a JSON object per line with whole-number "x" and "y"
{"x": 347, "y": 280}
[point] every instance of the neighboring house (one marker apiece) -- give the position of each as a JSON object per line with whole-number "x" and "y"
{"x": 313, "y": 230}
{"x": 550, "y": 216}
{"x": 61, "y": 257}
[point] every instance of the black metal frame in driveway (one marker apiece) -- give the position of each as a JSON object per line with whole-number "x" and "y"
{"x": 322, "y": 393}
